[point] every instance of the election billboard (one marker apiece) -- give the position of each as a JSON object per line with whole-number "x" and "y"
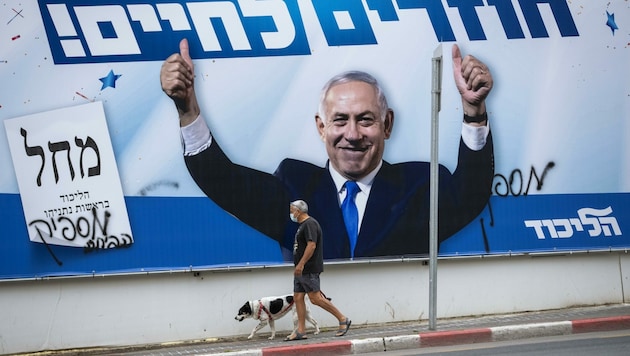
{"x": 144, "y": 136}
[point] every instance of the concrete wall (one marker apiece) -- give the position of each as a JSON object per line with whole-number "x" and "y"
{"x": 65, "y": 313}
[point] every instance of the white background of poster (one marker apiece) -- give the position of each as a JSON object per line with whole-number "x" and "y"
{"x": 557, "y": 101}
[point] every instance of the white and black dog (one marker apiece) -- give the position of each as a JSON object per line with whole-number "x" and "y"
{"x": 269, "y": 309}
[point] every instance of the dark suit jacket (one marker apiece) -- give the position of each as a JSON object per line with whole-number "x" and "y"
{"x": 396, "y": 219}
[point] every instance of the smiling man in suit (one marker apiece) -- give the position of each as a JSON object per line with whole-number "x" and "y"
{"x": 366, "y": 206}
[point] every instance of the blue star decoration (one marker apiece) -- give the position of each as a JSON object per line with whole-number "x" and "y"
{"x": 611, "y": 22}
{"x": 109, "y": 80}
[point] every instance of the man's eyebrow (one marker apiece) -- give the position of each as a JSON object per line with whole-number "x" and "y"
{"x": 361, "y": 114}
{"x": 367, "y": 113}
{"x": 339, "y": 114}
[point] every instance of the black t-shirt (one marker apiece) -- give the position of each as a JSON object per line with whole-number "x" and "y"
{"x": 309, "y": 230}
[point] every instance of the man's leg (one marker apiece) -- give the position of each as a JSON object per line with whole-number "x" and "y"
{"x": 317, "y": 299}
{"x": 300, "y": 309}
{"x": 300, "y": 306}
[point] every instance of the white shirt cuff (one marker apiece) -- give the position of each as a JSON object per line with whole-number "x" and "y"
{"x": 475, "y": 136}
{"x": 195, "y": 137}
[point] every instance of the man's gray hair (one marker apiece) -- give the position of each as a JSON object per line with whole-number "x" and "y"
{"x": 354, "y": 76}
{"x": 301, "y": 206}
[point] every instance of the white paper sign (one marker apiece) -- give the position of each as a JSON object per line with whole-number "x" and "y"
{"x": 68, "y": 178}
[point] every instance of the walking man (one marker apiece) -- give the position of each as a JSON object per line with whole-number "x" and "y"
{"x": 308, "y": 258}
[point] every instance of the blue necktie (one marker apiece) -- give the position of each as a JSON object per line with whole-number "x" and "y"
{"x": 351, "y": 214}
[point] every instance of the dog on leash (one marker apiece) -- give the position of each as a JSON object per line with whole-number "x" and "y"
{"x": 269, "y": 309}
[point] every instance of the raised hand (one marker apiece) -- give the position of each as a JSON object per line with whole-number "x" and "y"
{"x": 473, "y": 80}
{"x": 177, "y": 77}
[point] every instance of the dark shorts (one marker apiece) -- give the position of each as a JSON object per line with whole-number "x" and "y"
{"x": 306, "y": 283}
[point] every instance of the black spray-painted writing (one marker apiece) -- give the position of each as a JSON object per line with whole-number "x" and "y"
{"x": 516, "y": 181}
{"x": 93, "y": 232}
{"x": 60, "y": 146}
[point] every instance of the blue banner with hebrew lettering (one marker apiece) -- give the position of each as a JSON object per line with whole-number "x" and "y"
{"x": 557, "y": 116}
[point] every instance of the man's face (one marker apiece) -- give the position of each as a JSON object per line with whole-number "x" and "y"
{"x": 295, "y": 211}
{"x": 353, "y": 130}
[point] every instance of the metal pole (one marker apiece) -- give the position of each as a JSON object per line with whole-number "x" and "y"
{"x": 436, "y": 88}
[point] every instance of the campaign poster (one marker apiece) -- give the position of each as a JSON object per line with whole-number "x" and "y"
{"x": 557, "y": 115}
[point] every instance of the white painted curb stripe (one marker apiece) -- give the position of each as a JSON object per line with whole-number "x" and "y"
{"x": 364, "y": 346}
{"x": 402, "y": 342}
{"x": 502, "y": 333}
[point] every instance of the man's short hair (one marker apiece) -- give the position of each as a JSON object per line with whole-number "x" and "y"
{"x": 354, "y": 76}
{"x": 301, "y": 206}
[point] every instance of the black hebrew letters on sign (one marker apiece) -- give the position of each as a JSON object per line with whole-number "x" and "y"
{"x": 34, "y": 151}
{"x": 54, "y": 148}
{"x": 60, "y": 146}
{"x": 89, "y": 143}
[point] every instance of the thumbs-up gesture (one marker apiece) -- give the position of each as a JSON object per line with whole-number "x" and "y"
{"x": 473, "y": 80}
{"x": 177, "y": 77}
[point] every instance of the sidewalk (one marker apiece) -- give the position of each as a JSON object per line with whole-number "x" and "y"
{"x": 407, "y": 335}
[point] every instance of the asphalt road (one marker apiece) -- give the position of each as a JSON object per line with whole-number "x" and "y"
{"x": 611, "y": 343}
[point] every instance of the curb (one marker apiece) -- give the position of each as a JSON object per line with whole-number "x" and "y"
{"x": 442, "y": 338}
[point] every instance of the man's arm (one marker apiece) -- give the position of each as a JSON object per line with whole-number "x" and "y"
{"x": 308, "y": 253}
{"x": 254, "y": 197}
{"x": 464, "y": 194}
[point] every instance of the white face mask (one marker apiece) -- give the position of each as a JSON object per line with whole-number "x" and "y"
{"x": 292, "y": 217}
